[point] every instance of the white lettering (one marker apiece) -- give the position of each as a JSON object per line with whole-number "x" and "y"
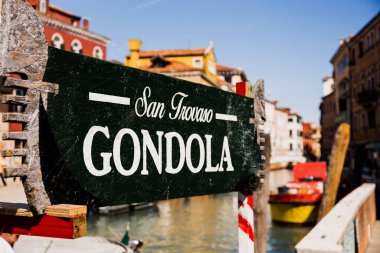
{"x": 209, "y": 167}
{"x": 169, "y": 152}
{"x": 156, "y": 155}
{"x": 87, "y": 156}
{"x": 116, "y": 152}
{"x": 226, "y": 156}
{"x": 189, "y": 155}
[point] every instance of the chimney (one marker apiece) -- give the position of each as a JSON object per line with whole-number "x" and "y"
{"x": 134, "y": 48}
{"x": 86, "y": 24}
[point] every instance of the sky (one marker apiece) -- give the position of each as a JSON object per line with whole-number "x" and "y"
{"x": 288, "y": 43}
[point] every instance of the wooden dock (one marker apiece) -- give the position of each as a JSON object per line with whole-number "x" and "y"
{"x": 374, "y": 244}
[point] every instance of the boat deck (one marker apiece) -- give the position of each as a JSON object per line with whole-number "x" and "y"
{"x": 374, "y": 244}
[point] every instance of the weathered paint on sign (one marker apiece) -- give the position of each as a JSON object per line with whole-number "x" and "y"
{"x": 119, "y": 135}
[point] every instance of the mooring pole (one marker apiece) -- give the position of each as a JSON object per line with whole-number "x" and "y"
{"x": 246, "y": 236}
{"x": 245, "y": 206}
{"x": 245, "y": 222}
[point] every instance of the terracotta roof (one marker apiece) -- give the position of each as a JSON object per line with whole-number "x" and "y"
{"x": 226, "y": 68}
{"x": 173, "y": 66}
{"x": 57, "y": 9}
{"x": 172, "y": 52}
{"x": 284, "y": 109}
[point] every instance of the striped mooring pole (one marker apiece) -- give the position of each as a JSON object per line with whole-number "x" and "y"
{"x": 245, "y": 206}
{"x": 246, "y": 219}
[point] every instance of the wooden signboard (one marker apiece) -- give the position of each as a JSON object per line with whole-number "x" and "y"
{"x": 97, "y": 133}
{"x": 115, "y": 135}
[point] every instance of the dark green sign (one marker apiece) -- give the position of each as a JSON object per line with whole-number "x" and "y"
{"x": 116, "y": 135}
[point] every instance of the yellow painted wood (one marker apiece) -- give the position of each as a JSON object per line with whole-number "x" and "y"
{"x": 338, "y": 155}
{"x": 294, "y": 213}
{"x": 66, "y": 211}
{"x": 62, "y": 211}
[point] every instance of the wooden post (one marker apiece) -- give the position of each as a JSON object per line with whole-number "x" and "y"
{"x": 261, "y": 203}
{"x": 338, "y": 155}
{"x": 25, "y": 53}
{"x": 246, "y": 219}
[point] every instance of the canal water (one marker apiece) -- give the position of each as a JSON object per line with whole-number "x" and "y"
{"x": 201, "y": 224}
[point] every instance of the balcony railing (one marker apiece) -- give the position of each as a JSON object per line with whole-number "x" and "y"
{"x": 368, "y": 97}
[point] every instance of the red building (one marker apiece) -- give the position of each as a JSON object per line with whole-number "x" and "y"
{"x": 70, "y": 32}
{"x": 311, "y": 137}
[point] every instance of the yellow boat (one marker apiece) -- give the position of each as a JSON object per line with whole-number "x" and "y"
{"x": 294, "y": 208}
{"x": 292, "y": 213}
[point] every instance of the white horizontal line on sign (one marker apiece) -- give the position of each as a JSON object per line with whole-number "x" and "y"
{"x": 226, "y": 117}
{"x": 109, "y": 99}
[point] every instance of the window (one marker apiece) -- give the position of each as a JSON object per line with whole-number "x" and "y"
{"x": 57, "y": 41}
{"x": 362, "y": 81}
{"x": 290, "y": 119}
{"x": 363, "y": 121}
{"x": 371, "y": 119}
{"x": 352, "y": 57}
{"x": 360, "y": 49}
{"x": 76, "y": 46}
{"x": 97, "y": 52}
{"x": 291, "y": 133}
{"x": 369, "y": 41}
{"x": 291, "y": 147}
{"x": 343, "y": 64}
{"x": 43, "y": 6}
{"x": 198, "y": 62}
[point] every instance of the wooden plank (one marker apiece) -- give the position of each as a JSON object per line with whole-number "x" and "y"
{"x": 60, "y": 221}
{"x": 15, "y": 117}
{"x": 21, "y": 171}
{"x": 22, "y": 136}
{"x": 45, "y": 226}
{"x": 15, "y": 100}
{"x": 62, "y": 210}
{"x": 25, "y": 84}
{"x": 66, "y": 211}
{"x": 338, "y": 155}
{"x": 14, "y": 152}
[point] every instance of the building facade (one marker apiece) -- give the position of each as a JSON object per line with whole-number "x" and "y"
{"x": 355, "y": 99}
{"x": 70, "y": 32}
{"x": 311, "y": 137}
{"x": 285, "y": 130}
{"x": 197, "y": 65}
{"x": 365, "y": 82}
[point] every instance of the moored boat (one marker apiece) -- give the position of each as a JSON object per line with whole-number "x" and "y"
{"x": 297, "y": 202}
{"x": 108, "y": 210}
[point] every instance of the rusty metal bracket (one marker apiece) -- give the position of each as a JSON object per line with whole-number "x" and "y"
{"x": 24, "y": 52}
